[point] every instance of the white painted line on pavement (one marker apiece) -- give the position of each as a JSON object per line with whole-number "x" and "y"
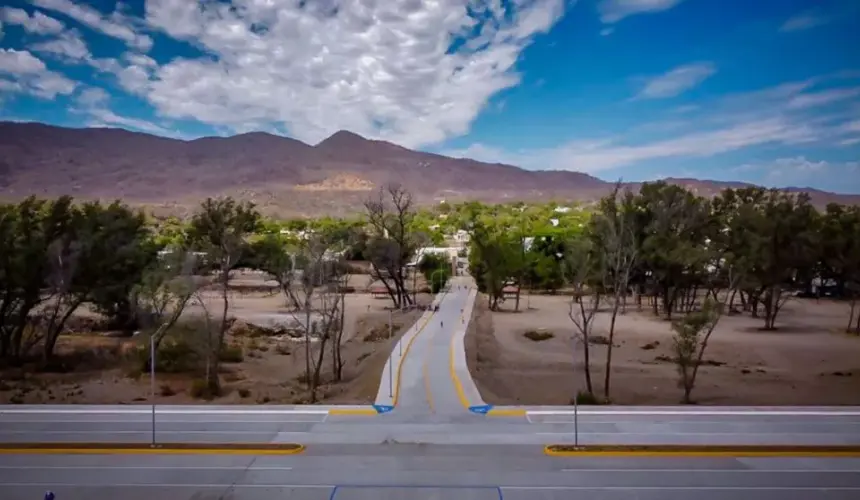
{"x": 723, "y": 471}
{"x": 692, "y": 422}
{"x": 141, "y": 431}
{"x": 164, "y": 485}
{"x": 745, "y": 413}
{"x": 546, "y": 488}
{"x": 135, "y": 467}
{"x": 685, "y": 488}
{"x": 163, "y": 422}
{"x": 158, "y": 411}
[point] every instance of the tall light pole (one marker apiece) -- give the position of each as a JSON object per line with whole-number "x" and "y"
{"x": 152, "y": 383}
{"x": 390, "y": 364}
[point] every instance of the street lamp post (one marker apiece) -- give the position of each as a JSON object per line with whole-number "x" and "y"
{"x": 152, "y": 383}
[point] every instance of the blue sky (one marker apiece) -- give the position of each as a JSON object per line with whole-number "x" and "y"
{"x": 764, "y": 91}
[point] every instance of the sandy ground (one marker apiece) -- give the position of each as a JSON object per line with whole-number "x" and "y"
{"x": 808, "y": 361}
{"x": 271, "y": 372}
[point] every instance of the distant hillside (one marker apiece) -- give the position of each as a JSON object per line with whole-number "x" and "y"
{"x": 280, "y": 174}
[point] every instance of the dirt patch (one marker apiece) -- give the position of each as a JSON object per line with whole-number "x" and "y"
{"x": 261, "y": 365}
{"x": 805, "y": 362}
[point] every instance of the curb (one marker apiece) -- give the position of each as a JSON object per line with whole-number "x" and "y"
{"x": 158, "y": 449}
{"x": 355, "y": 411}
{"x": 565, "y": 450}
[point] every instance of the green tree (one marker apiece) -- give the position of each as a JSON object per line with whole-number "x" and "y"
{"x": 220, "y": 228}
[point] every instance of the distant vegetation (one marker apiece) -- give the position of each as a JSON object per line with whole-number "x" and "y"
{"x": 744, "y": 250}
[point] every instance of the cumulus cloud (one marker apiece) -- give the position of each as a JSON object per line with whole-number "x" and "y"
{"x": 798, "y": 169}
{"x": 404, "y": 70}
{"x": 38, "y": 23}
{"x": 803, "y": 21}
{"x": 612, "y": 11}
{"x": 27, "y": 73}
{"x": 93, "y": 96}
{"x": 68, "y": 45}
{"x": 115, "y": 25}
{"x": 677, "y": 81}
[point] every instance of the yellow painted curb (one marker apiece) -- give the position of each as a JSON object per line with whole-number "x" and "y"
{"x": 504, "y": 412}
{"x": 353, "y": 411}
{"x": 461, "y": 395}
{"x": 702, "y": 451}
{"x": 405, "y": 353}
{"x": 142, "y": 449}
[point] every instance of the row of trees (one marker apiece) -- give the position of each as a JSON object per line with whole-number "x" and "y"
{"x": 746, "y": 250}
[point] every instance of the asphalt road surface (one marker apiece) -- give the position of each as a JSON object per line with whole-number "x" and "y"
{"x": 427, "y": 384}
{"x": 267, "y": 424}
{"x": 416, "y": 472}
{"x": 431, "y": 447}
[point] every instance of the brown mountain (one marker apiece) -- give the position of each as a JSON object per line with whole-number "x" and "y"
{"x": 280, "y": 174}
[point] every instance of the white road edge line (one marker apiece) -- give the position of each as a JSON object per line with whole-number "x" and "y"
{"x": 135, "y": 467}
{"x": 465, "y": 487}
{"x": 745, "y": 413}
{"x": 158, "y": 411}
{"x": 722, "y": 471}
{"x": 690, "y": 422}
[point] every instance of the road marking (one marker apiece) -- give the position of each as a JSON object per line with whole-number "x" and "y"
{"x": 458, "y": 386}
{"x": 403, "y": 357}
{"x": 159, "y": 411}
{"x": 547, "y": 488}
{"x": 751, "y": 412}
{"x": 167, "y": 485}
{"x": 145, "y": 451}
{"x": 722, "y": 471}
{"x": 512, "y": 412}
{"x": 136, "y": 467}
{"x": 427, "y": 391}
{"x": 161, "y": 421}
{"x": 353, "y": 411}
{"x": 685, "y": 488}
{"x": 145, "y": 430}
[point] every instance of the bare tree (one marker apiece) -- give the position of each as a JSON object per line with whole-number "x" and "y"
{"x": 390, "y": 214}
{"x": 615, "y": 232}
{"x": 579, "y": 267}
{"x": 321, "y": 294}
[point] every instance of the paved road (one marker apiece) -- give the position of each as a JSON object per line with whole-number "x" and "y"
{"x": 264, "y": 424}
{"x": 409, "y": 472}
{"x": 424, "y": 380}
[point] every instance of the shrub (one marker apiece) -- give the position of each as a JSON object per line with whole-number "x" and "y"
{"x": 231, "y": 354}
{"x": 244, "y": 393}
{"x": 538, "y": 335}
{"x": 587, "y": 398}
{"x": 202, "y": 389}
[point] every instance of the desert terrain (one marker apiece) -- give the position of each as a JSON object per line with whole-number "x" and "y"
{"x": 807, "y": 361}
{"x": 270, "y": 368}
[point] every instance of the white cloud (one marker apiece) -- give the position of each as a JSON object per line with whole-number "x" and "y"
{"x": 30, "y": 75}
{"x": 93, "y": 96}
{"x": 107, "y": 117}
{"x": 38, "y": 23}
{"x": 790, "y": 170}
{"x": 824, "y": 97}
{"x": 68, "y": 45}
{"x": 115, "y": 25}
{"x": 380, "y": 69}
{"x": 770, "y": 116}
{"x": 20, "y": 62}
{"x": 612, "y": 11}
{"x": 677, "y": 81}
{"x": 803, "y": 21}
{"x": 607, "y": 31}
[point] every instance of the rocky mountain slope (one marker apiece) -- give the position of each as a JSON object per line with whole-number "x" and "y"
{"x": 280, "y": 174}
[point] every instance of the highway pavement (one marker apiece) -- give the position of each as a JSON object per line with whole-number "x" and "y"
{"x": 416, "y": 472}
{"x": 434, "y": 444}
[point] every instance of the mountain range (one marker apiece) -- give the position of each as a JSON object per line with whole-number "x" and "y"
{"x": 282, "y": 175}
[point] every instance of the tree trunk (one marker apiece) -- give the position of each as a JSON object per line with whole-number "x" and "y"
{"x": 608, "y": 373}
